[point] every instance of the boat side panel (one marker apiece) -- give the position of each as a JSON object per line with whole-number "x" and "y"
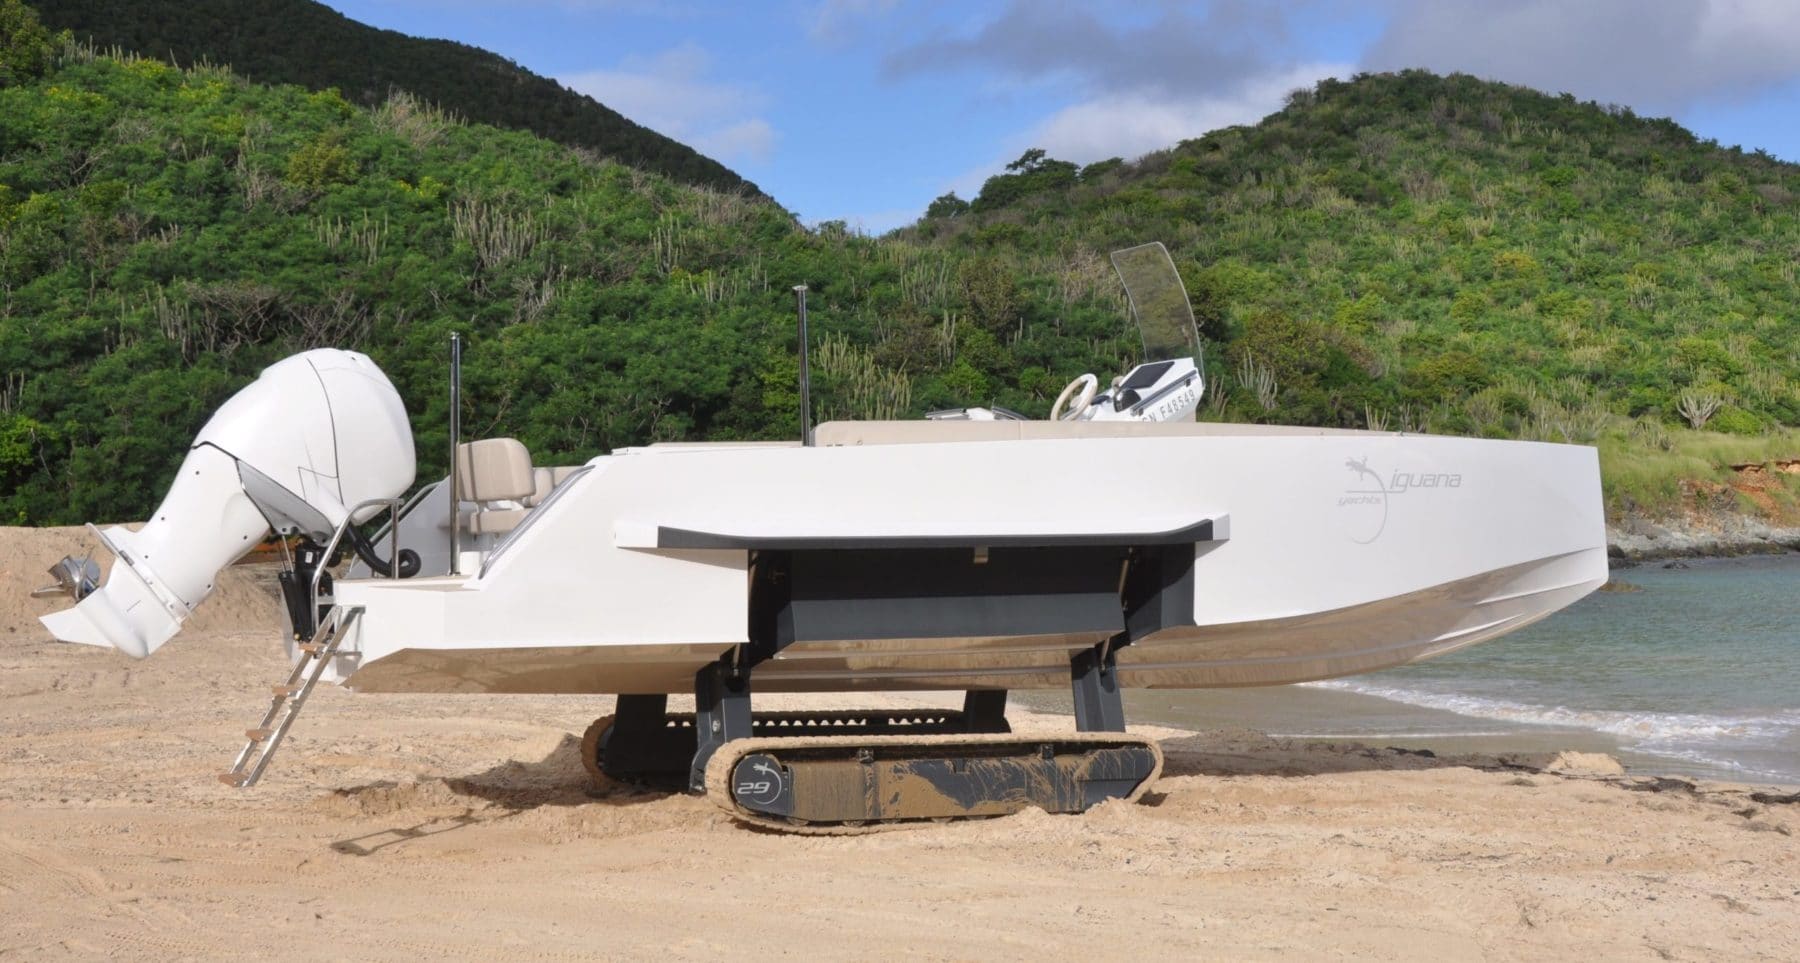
{"x": 1323, "y": 645}
{"x": 1321, "y": 527}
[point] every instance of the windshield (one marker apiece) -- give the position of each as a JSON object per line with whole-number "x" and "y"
{"x": 1159, "y": 301}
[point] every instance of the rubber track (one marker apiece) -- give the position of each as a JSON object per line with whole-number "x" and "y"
{"x": 806, "y": 724}
{"x": 590, "y": 754}
{"x": 719, "y": 767}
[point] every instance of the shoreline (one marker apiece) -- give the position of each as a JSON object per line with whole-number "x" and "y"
{"x": 1636, "y": 540}
{"x": 1304, "y": 714}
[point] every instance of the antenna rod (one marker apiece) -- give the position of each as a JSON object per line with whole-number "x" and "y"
{"x": 806, "y": 435}
{"x": 455, "y": 442}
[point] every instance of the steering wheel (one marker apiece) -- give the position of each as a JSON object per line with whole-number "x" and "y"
{"x": 1088, "y": 385}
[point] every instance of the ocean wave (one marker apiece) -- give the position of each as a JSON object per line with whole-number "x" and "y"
{"x": 1397, "y": 734}
{"x": 1644, "y": 729}
{"x": 1706, "y": 763}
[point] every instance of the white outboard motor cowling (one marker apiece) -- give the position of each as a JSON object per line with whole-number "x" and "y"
{"x": 312, "y": 436}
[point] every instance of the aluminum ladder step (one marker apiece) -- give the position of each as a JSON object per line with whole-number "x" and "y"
{"x": 288, "y": 698}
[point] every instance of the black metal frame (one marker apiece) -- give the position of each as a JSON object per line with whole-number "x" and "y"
{"x": 1155, "y": 589}
{"x": 721, "y": 714}
{"x": 984, "y": 710}
{"x": 1093, "y": 676}
{"x": 298, "y": 587}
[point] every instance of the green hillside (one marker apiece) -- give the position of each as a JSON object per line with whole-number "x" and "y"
{"x": 1446, "y": 251}
{"x": 310, "y": 44}
{"x": 1408, "y": 251}
{"x": 1455, "y": 255}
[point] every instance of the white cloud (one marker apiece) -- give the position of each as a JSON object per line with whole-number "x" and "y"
{"x": 840, "y": 21}
{"x": 672, "y": 93}
{"x": 1133, "y": 123}
{"x": 575, "y": 6}
{"x": 1660, "y": 56}
{"x": 752, "y": 138}
{"x": 1169, "y": 48}
{"x": 1134, "y": 82}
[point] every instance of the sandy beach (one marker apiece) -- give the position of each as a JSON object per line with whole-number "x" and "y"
{"x": 408, "y": 827}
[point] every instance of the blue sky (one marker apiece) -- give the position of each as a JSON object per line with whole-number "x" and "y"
{"x": 865, "y": 110}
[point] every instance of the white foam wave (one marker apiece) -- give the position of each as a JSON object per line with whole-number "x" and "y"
{"x": 1418, "y": 734}
{"x": 1706, "y": 763}
{"x": 1643, "y": 729}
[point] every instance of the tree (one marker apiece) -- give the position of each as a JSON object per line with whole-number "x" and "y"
{"x": 1101, "y": 168}
{"x": 26, "y": 48}
{"x": 321, "y": 163}
{"x": 992, "y": 293}
{"x": 1698, "y": 408}
{"x": 947, "y": 206}
{"x": 1029, "y": 161}
{"x": 1033, "y": 173}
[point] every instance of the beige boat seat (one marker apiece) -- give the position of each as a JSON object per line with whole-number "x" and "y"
{"x": 545, "y": 480}
{"x": 542, "y": 481}
{"x": 495, "y": 474}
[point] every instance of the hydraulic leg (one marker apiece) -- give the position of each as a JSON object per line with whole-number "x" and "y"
{"x": 636, "y": 744}
{"x": 984, "y": 710}
{"x": 1157, "y": 591}
{"x": 637, "y": 714}
{"x": 721, "y": 714}
{"x": 639, "y": 744}
{"x": 1157, "y": 584}
{"x": 1094, "y": 677}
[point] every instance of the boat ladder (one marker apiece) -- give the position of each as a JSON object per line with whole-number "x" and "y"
{"x": 288, "y": 697}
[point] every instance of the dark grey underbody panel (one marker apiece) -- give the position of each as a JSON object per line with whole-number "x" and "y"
{"x": 926, "y": 593}
{"x": 1201, "y": 530}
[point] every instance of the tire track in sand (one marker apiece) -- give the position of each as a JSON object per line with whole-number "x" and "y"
{"x": 21, "y": 863}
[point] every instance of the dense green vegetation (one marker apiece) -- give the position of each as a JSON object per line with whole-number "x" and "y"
{"x": 1446, "y": 252}
{"x": 1399, "y": 251}
{"x": 309, "y": 44}
{"x": 164, "y": 234}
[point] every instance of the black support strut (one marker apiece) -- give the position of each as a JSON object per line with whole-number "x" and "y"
{"x": 1157, "y": 592}
{"x": 1094, "y": 676}
{"x": 641, "y": 746}
{"x": 984, "y": 710}
{"x": 721, "y": 714}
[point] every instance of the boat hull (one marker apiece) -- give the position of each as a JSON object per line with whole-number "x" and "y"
{"x": 953, "y": 559}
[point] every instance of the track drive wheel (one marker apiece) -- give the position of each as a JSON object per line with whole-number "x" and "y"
{"x": 593, "y": 745}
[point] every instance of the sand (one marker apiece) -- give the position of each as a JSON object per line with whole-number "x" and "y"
{"x": 416, "y": 827}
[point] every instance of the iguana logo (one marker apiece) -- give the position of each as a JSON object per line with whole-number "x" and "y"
{"x": 1374, "y": 491}
{"x": 762, "y": 784}
{"x": 1372, "y": 496}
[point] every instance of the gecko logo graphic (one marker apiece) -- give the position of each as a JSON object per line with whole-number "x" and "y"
{"x": 1365, "y": 506}
{"x": 758, "y": 780}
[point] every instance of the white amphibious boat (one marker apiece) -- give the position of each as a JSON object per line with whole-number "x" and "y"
{"x": 1119, "y": 544}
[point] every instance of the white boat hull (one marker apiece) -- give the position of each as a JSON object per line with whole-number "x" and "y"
{"x": 948, "y": 555}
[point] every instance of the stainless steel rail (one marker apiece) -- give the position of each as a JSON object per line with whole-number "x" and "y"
{"x": 393, "y": 507}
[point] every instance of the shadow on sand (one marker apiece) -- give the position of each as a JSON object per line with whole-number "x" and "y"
{"x": 369, "y": 844}
{"x": 512, "y": 788}
{"x": 494, "y": 794}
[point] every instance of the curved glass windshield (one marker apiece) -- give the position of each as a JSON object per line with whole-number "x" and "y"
{"x": 1159, "y": 301}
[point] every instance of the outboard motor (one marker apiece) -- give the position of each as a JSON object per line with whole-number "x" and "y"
{"x": 313, "y": 436}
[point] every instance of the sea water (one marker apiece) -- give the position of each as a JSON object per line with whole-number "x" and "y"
{"x": 1696, "y": 673}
